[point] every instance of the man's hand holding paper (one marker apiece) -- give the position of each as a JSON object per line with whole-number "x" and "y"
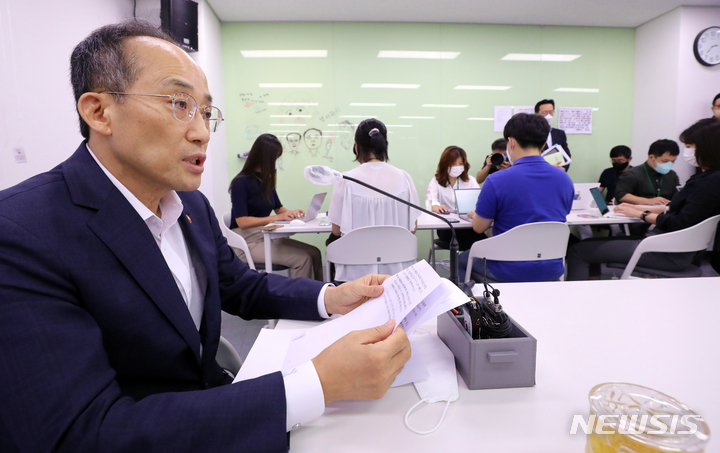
{"x": 363, "y": 364}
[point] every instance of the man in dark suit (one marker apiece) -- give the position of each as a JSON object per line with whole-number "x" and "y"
{"x": 546, "y": 109}
{"x": 113, "y": 272}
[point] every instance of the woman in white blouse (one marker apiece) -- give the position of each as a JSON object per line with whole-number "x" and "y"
{"x": 451, "y": 174}
{"x": 354, "y": 206}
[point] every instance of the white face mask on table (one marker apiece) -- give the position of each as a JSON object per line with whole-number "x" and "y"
{"x": 442, "y": 385}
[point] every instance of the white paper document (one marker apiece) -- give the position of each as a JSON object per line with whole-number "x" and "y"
{"x": 502, "y": 115}
{"x": 525, "y": 109}
{"x": 411, "y": 297}
{"x": 575, "y": 120}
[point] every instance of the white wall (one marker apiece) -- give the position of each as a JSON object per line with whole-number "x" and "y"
{"x": 38, "y": 114}
{"x": 38, "y": 111}
{"x": 697, "y": 84}
{"x": 672, "y": 90}
{"x": 209, "y": 57}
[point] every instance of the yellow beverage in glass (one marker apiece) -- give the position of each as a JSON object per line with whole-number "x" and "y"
{"x": 628, "y": 418}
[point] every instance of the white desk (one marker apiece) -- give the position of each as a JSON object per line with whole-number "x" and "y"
{"x": 658, "y": 333}
{"x": 427, "y": 222}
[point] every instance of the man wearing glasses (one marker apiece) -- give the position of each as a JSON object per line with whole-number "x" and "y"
{"x": 113, "y": 272}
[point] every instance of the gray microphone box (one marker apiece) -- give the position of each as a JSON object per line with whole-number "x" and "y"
{"x": 490, "y": 363}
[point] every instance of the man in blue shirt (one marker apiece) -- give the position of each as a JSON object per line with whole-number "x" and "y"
{"x": 530, "y": 191}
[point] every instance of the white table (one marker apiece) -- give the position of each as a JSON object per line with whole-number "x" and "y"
{"x": 658, "y": 333}
{"x": 427, "y": 222}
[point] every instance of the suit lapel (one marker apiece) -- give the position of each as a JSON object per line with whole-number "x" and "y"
{"x": 124, "y": 232}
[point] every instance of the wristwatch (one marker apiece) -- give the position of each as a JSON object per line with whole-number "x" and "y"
{"x": 645, "y": 214}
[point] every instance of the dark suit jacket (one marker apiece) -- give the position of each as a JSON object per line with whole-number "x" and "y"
{"x": 98, "y": 351}
{"x": 559, "y": 138}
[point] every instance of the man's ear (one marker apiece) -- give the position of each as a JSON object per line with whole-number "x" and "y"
{"x": 93, "y": 108}
{"x": 629, "y": 158}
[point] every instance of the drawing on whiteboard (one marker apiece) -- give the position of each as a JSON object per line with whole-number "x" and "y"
{"x": 347, "y": 134}
{"x": 313, "y": 139}
{"x": 252, "y": 132}
{"x": 328, "y": 149}
{"x": 280, "y": 164}
{"x": 293, "y": 139}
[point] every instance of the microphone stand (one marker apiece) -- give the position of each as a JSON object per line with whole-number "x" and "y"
{"x": 454, "y": 247}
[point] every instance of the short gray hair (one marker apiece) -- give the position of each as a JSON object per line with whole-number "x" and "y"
{"x": 99, "y": 61}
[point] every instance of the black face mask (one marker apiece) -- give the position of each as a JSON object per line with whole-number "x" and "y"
{"x": 620, "y": 167}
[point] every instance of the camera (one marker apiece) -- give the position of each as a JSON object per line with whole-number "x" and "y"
{"x": 497, "y": 159}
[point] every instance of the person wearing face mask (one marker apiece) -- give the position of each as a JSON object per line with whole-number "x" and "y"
{"x": 688, "y": 138}
{"x": 716, "y": 107}
{"x": 498, "y": 147}
{"x": 546, "y": 109}
{"x": 530, "y": 191}
{"x": 353, "y": 206}
{"x": 254, "y": 198}
{"x": 699, "y": 200}
{"x": 653, "y": 182}
{"x": 620, "y": 156}
{"x": 452, "y": 173}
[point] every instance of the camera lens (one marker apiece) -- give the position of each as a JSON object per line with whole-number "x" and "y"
{"x": 497, "y": 159}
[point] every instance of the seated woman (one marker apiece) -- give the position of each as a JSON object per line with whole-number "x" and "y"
{"x": 697, "y": 201}
{"x": 451, "y": 174}
{"x": 253, "y": 197}
{"x": 354, "y": 206}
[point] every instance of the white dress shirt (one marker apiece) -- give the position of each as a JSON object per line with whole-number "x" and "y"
{"x": 446, "y": 195}
{"x": 305, "y": 400}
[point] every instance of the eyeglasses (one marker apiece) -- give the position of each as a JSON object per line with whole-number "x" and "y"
{"x": 185, "y": 107}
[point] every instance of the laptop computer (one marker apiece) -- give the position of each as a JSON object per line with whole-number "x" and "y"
{"x": 465, "y": 201}
{"x": 602, "y": 206}
{"x": 312, "y": 212}
{"x": 583, "y": 197}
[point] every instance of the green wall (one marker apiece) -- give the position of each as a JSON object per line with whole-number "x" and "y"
{"x": 606, "y": 63}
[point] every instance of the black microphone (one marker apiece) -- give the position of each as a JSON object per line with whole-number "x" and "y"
{"x": 320, "y": 174}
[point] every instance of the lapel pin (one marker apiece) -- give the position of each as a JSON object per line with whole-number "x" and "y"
{"x": 188, "y": 217}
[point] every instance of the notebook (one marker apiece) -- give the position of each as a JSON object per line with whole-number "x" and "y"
{"x": 465, "y": 201}
{"x": 312, "y": 212}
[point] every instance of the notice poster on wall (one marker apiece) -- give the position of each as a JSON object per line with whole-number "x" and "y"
{"x": 525, "y": 109}
{"x": 502, "y": 115}
{"x": 575, "y": 120}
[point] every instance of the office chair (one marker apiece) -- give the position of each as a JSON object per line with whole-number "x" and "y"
{"x": 529, "y": 242}
{"x": 380, "y": 244}
{"x": 227, "y": 357}
{"x": 238, "y": 242}
{"x": 692, "y": 239}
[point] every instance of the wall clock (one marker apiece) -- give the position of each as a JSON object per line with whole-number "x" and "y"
{"x": 707, "y": 46}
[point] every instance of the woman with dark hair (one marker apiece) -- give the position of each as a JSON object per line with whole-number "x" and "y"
{"x": 451, "y": 174}
{"x": 354, "y": 206}
{"x": 697, "y": 201}
{"x": 254, "y": 197}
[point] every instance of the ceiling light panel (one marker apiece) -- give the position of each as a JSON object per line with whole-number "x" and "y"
{"x": 405, "y": 86}
{"x": 482, "y": 87}
{"x": 446, "y": 106}
{"x": 290, "y": 85}
{"x": 540, "y": 57}
{"x": 370, "y": 104}
{"x": 578, "y": 90}
{"x": 284, "y": 53}
{"x": 415, "y": 54}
